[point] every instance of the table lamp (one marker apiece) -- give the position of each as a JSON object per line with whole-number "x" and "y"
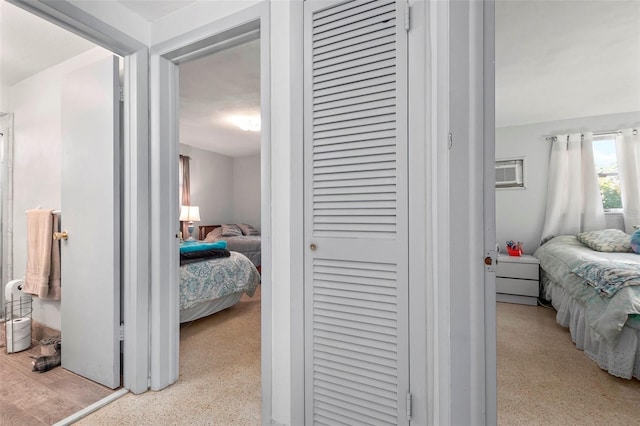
{"x": 190, "y": 214}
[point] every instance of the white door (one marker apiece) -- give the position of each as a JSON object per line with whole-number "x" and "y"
{"x": 356, "y": 213}
{"x": 90, "y": 305}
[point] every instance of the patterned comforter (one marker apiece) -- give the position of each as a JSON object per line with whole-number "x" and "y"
{"x": 216, "y": 278}
{"x": 605, "y": 315}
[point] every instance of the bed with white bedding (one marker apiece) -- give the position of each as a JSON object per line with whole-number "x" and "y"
{"x": 603, "y": 317}
{"x": 211, "y": 285}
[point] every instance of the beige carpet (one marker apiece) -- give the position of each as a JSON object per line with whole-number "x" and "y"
{"x": 544, "y": 380}
{"x": 219, "y": 381}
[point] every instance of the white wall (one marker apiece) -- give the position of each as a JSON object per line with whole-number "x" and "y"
{"x": 211, "y": 184}
{"x": 246, "y": 190}
{"x": 35, "y": 103}
{"x": 117, "y": 16}
{"x": 520, "y": 212}
{"x": 4, "y": 98}
{"x": 195, "y": 15}
{"x": 226, "y": 189}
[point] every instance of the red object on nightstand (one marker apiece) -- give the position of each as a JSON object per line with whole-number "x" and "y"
{"x": 513, "y": 252}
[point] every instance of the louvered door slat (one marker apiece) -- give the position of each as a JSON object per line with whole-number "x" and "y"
{"x": 361, "y": 9}
{"x": 357, "y": 58}
{"x": 356, "y": 287}
{"x": 346, "y": 27}
{"x": 347, "y": 69}
{"x": 353, "y": 147}
{"x": 355, "y": 97}
{"x": 346, "y": 90}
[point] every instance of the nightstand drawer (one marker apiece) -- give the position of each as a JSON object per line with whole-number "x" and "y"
{"x": 525, "y": 271}
{"x": 518, "y": 287}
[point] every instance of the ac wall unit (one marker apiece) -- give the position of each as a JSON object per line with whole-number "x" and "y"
{"x": 510, "y": 173}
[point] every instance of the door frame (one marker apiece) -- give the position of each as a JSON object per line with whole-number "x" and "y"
{"x": 248, "y": 24}
{"x": 134, "y": 249}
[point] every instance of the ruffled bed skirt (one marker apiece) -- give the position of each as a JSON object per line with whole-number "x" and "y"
{"x": 621, "y": 359}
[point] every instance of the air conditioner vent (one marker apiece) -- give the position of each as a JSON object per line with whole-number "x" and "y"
{"x": 510, "y": 173}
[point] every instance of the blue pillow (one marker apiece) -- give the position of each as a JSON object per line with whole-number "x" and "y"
{"x": 635, "y": 241}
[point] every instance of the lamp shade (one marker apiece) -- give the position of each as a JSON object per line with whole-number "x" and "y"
{"x": 189, "y": 214}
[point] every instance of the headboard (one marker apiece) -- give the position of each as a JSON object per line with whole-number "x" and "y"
{"x": 203, "y": 230}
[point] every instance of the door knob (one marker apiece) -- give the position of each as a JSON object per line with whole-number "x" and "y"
{"x": 313, "y": 246}
{"x": 60, "y": 235}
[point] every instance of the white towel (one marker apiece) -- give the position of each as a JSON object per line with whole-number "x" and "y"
{"x": 39, "y": 239}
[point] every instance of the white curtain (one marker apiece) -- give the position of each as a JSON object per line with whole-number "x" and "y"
{"x": 574, "y": 203}
{"x": 628, "y": 152}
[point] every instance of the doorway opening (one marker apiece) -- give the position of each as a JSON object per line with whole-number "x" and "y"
{"x": 547, "y": 101}
{"x": 220, "y": 188}
{"x": 38, "y": 80}
{"x": 186, "y": 54}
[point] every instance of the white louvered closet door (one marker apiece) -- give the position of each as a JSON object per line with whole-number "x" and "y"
{"x": 356, "y": 213}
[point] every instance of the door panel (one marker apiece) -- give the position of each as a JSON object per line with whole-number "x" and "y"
{"x": 356, "y": 267}
{"x": 90, "y": 305}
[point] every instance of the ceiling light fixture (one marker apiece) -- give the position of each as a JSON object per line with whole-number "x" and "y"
{"x": 246, "y": 122}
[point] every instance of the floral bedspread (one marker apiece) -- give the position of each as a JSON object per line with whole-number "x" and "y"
{"x": 605, "y": 315}
{"x": 216, "y": 278}
{"x": 607, "y": 278}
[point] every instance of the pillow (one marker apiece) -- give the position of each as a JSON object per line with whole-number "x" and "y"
{"x": 607, "y": 240}
{"x": 213, "y": 235}
{"x": 635, "y": 241}
{"x": 248, "y": 229}
{"x": 231, "y": 230}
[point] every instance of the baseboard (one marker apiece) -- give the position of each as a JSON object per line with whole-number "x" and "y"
{"x": 41, "y": 331}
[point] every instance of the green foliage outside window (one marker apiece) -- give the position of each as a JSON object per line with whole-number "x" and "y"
{"x": 610, "y": 191}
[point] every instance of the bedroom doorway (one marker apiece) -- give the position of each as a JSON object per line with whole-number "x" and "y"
{"x": 212, "y": 108}
{"x": 539, "y": 96}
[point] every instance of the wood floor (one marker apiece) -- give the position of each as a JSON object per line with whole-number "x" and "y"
{"x": 31, "y": 398}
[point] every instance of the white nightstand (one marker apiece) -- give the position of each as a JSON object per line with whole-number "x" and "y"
{"x": 517, "y": 279}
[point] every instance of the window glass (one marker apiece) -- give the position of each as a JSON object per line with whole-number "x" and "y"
{"x": 606, "y": 161}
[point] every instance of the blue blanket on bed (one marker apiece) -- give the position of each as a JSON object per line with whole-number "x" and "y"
{"x": 194, "y": 246}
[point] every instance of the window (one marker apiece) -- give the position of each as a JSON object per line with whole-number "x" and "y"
{"x": 606, "y": 161}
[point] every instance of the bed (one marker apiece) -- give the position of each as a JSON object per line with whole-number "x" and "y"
{"x": 241, "y": 238}
{"x": 604, "y": 323}
{"x": 211, "y": 285}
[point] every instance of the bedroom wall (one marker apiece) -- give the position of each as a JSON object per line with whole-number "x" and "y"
{"x": 246, "y": 190}
{"x": 520, "y": 212}
{"x": 4, "y": 98}
{"x": 35, "y": 103}
{"x": 211, "y": 184}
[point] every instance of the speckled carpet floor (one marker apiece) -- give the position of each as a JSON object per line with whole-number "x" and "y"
{"x": 219, "y": 381}
{"x": 544, "y": 380}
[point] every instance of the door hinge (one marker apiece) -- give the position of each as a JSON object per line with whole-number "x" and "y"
{"x": 409, "y": 406}
{"x": 450, "y": 141}
{"x": 121, "y": 95}
{"x": 122, "y": 332}
{"x": 407, "y": 17}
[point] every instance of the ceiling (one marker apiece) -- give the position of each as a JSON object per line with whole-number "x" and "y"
{"x": 154, "y": 9}
{"x": 30, "y": 44}
{"x": 216, "y": 89}
{"x": 554, "y": 60}
{"x": 566, "y": 59}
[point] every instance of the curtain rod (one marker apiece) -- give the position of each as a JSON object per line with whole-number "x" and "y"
{"x": 601, "y": 133}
